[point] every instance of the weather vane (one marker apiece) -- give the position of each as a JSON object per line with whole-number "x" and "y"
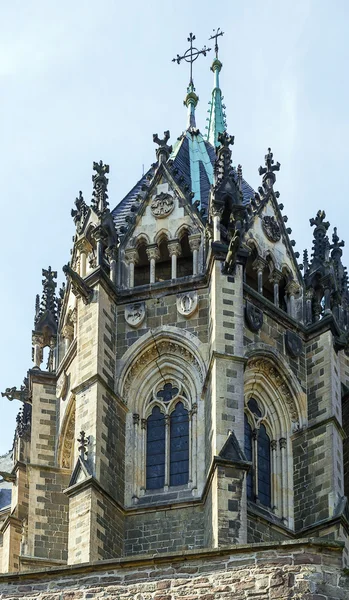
{"x": 191, "y": 55}
{"x": 215, "y": 37}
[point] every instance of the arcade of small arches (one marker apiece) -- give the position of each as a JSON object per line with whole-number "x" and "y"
{"x": 277, "y": 285}
{"x": 164, "y": 259}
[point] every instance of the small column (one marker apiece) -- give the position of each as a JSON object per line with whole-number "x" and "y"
{"x": 193, "y": 446}
{"x": 153, "y": 255}
{"x": 259, "y": 264}
{"x": 112, "y": 253}
{"x": 68, "y": 334}
{"x": 131, "y": 255}
{"x": 283, "y": 446}
{"x": 216, "y": 217}
{"x": 144, "y": 454}
{"x": 327, "y": 295}
{"x": 274, "y": 486}
{"x": 275, "y": 278}
{"x": 99, "y": 237}
{"x": 292, "y": 290}
{"x": 309, "y": 300}
{"x": 37, "y": 350}
{"x": 84, "y": 248}
{"x": 194, "y": 243}
{"x": 136, "y": 455}
{"x": 255, "y": 462}
{"x": 167, "y": 452}
{"x": 174, "y": 250}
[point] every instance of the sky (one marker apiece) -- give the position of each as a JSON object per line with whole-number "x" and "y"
{"x": 83, "y": 81}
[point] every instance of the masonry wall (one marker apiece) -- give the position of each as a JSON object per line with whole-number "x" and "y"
{"x": 306, "y": 570}
{"x": 169, "y": 530}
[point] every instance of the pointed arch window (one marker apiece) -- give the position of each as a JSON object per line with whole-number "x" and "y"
{"x": 258, "y": 451}
{"x": 167, "y": 440}
{"x": 155, "y": 466}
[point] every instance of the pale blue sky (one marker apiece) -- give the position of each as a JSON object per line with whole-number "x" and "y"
{"x": 84, "y": 81}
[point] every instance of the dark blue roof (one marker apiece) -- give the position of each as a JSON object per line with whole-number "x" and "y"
{"x": 194, "y": 159}
{"x": 5, "y": 498}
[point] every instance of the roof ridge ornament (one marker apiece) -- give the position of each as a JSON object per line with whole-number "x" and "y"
{"x": 268, "y": 171}
{"x": 100, "y": 187}
{"x": 217, "y": 122}
{"x": 163, "y": 151}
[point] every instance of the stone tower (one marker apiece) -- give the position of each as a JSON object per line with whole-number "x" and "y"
{"x": 196, "y": 391}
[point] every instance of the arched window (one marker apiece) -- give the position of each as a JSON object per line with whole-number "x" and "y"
{"x": 257, "y": 450}
{"x": 155, "y": 466}
{"x": 163, "y": 264}
{"x": 167, "y": 442}
{"x": 179, "y": 445}
{"x": 185, "y": 260}
{"x": 142, "y": 272}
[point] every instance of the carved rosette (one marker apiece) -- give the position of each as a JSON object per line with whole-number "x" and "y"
{"x": 271, "y": 228}
{"x": 135, "y": 314}
{"x": 264, "y": 366}
{"x": 162, "y": 205}
{"x": 187, "y": 303}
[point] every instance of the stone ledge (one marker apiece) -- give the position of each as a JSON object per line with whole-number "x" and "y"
{"x": 141, "y": 561}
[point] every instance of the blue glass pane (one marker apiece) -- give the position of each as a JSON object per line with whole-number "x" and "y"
{"x": 254, "y": 408}
{"x": 155, "y": 464}
{"x": 248, "y": 454}
{"x": 264, "y": 467}
{"x": 179, "y": 446}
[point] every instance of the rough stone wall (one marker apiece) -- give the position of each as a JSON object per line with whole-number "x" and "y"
{"x": 165, "y": 531}
{"x": 159, "y": 312}
{"x": 259, "y": 530}
{"x": 298, "y": 571}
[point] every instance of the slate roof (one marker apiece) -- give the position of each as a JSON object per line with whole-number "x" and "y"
{"x": 6, "y": 464}
{"x": 194, "y": 158}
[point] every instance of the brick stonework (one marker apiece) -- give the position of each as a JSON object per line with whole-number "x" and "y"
{"x": 307, "y": 571}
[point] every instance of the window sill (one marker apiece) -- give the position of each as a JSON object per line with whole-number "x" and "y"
{"x": 178, "y": 493}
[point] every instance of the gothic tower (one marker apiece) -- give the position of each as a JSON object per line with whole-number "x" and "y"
{"x": 196, "y": 393}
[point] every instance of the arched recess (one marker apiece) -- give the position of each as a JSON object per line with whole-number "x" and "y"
{"x": 141, "y": 269}
{"x": 185, "y": 260}
{"x": 66, "y": 438}
{"x": 282, "y": 404}
{"x": 159, "y": 361}
{"x": 251, "y": 270}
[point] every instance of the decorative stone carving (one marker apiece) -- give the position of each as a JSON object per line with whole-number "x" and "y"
{"x": 293, "y": 344}
{"x": 278, "y": 381}
{"x": 153, "y": 352}
{"x": 135, "y": 314}
{"x": 62, "y": 386}
{"x": 162, "y": 205}
{"x": 187, "y": 303}
{"x": 271, "y": 228}
{"x": 253, "y": 316}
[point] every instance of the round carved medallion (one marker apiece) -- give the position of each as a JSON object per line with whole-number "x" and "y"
{"x": 162, "y": 205}
{"x": 271, "y": 229}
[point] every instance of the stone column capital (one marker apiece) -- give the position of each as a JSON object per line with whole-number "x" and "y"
{"x": 194, "y": 241}
{"x": 275, "y": 276}
{"x": 259, "y": 264}
{"x": 153, "y": 252}
{"x": 131, "y": 255}
{"x": 174, "y": 247}
{"x": 83, "y": 245}
{"x": 293, "y": 288}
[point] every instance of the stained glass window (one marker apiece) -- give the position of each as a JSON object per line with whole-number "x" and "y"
{"x": 249, "y": 456}
{"x": 179, "y": 445}
{"x": 155, "y": 466}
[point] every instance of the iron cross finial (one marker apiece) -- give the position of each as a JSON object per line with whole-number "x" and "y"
{"x": 83, "y": 441}
{"x": 215, "y": 37}
{"x": 191, "y": 55}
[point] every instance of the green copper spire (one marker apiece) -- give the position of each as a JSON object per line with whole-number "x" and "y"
{"x": 191, "y": 101}
{"x": 216, "y": 121}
